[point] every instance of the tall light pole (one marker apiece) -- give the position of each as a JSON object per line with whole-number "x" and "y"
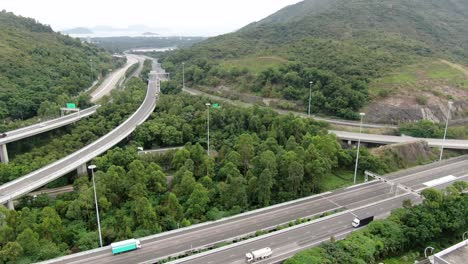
{"x": 358, "y": 146}
{"x": 208, "y": 127}
{"x": 425, "y": 251}
{"x": 183, "y": 75}
{"x": 92, "y": 167}
{"x": 310, "y": 95}
{"x": 446, "y": 126}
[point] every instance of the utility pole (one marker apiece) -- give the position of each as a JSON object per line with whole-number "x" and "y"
{"x": 358, "y": 146}
{"x": 208, "y": 128}
{"x": 310, "y": 95}
{"x": 446, "y": 126}
{"x": 183, "y": 75}
{"x": 92, "y": 167}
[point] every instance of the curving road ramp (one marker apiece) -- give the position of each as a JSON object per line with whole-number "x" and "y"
{"x": 39, "y": 178}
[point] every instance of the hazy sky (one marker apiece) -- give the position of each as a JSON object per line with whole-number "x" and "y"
{"x": 188, "y": 17}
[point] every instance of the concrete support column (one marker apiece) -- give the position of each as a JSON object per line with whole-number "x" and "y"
{"x": 10, "y": 205}
{"x": 350, "y": 142}
{"x": 82, "y": 169}
{"x": 3, "y": 153}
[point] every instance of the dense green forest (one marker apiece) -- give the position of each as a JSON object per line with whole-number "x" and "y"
{"x": 259, "y": 158}
{"x": 40, "y": 69}
{"x": 441, "y": 217}
{"x": 121, "y": 44}
{"x": 339, "y": 45}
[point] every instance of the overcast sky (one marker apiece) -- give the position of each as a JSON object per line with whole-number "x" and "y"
{"x": 187, "y": 17}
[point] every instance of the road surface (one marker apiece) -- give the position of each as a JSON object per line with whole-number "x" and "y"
{"x": 207, "y": 234}
{"x": 386, "y": 139}
{"x": 29, "y": 131}
{"x": 286, "y": 243}
{"x": 39, "y": 178}
{"x": 111, "y": 82}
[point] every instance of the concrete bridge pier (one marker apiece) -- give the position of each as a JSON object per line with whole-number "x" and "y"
{"x": 10, "y": 205}
{"x": 3, "y": 153}
{"x": 82, "y": 169}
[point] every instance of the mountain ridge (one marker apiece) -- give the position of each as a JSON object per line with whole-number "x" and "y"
{"x": 352, "y": 42}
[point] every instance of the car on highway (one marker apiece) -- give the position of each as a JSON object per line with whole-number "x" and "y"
{"x": 3, "y": 135}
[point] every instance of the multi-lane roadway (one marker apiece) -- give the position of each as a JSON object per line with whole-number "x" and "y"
{"x": 386, "y": 139}
{"x": 39, "y": 178}
{"x": 111, "y": 82}
{"x": 42, "y": 127}
{"x": 205, "y": 235}
{"x": 290, "y": 241}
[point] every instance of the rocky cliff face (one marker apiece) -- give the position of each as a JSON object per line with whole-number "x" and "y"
{"x": 401, "y": 109}
{"x": 405, "y": 155}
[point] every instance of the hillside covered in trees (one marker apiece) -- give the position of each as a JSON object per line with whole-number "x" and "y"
{"x": 339, "y": 45}
{"x": 41, "y": 67}
{"x": 262, "y": 158}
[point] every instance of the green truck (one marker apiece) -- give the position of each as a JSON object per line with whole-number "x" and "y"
{"x": 124, "y": 246}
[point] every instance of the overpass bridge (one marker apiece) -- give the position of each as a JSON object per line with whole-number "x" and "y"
{"x": 386, "y": 139}
{"x": 77, "y": 160}
{"x": 42, "y": 127}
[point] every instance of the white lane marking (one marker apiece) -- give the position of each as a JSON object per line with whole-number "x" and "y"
{"x": 440, "y": 181}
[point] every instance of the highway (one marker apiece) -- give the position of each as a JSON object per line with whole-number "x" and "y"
{"x": 344, "y": 135}
{"x": 111, "y": 82}
{"x": 288, "y": 242}
{"x": 35, "y": 129}
{"x": 283, "y": 112}
{"x": 42, "y": 127}
{"x": 386, "y": 139}
{"x": 39, "y": 178}
{"x": 207, "y": 234}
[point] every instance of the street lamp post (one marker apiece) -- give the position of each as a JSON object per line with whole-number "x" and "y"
{"x": 310, "y": 95}
{"x": 92, "y": 167}
{"x": 446, "y": 126}
{"x": 208, "y": 128}
{"x": 425, "y": 251}
{"x": 358, "y": 146}
{"x": 183, "y": 75}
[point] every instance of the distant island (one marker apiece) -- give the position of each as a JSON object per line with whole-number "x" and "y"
{"x": 78, "y": 30}
{"x": 150, "y": 34}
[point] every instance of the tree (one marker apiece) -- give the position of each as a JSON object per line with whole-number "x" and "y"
{"x": 265, "y": 183}
{"x": 228, "y": 170}
{"x": 156, "y": 178}
{"x": 234, "y": 193}
{"x": 29, "y": 241}
{"x": 51, "y": 226}
{"x": 245, "y": 148}
{"x": 11, "y": 251}
{"x": 295, "y": 177}
{"x": 87, "y": 241}
{"x": 145, "y": 215}
{"x": 174, "y": 207}
{"x": 186, "y": 186}
{"x": 197, "y": 203}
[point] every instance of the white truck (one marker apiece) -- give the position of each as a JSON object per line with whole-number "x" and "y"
{"x": 358, "y": 222}
{"x": 255, "y": 255}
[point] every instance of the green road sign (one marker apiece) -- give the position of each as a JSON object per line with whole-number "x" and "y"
{"x": 215, "y": 105}
{"x": 71, "y": 105}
